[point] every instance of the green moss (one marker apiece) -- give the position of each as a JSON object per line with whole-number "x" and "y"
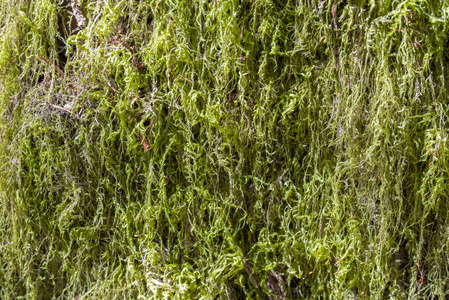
{"x": 223, "y": 149}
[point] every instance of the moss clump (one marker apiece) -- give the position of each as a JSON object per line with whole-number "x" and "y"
{"x": 224, "y": 149}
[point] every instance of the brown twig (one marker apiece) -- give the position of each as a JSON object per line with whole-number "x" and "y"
{"x": 59, "y": 107}
{"x": 334, "y": 13}
{"x": 421, "y": 277}
{"x": 250, "y": 273}
{"x": 55, "y": 66}
{"x": 323, "y": 223}
{"x": 111, "y": 86}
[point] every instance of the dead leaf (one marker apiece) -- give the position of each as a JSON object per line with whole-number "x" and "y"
{"x": 146, "y": 144}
